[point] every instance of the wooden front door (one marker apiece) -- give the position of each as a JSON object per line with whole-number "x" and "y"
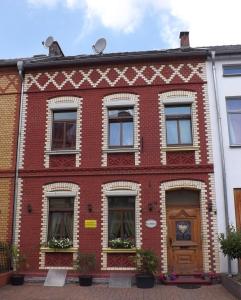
{"x": 184, "y": 240}
{"x": 237, "y": 199}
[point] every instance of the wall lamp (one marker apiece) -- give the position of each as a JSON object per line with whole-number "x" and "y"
{"x": 29, "y": 208}
{"x": 89, "y": 208}
{"x": 152, "y": 206}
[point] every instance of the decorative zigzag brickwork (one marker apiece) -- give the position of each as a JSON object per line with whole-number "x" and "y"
{"x": 115, "y": 76}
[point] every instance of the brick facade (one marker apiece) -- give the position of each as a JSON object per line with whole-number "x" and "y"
{"x": 147, "y": 170}
{"x": 9, "y": 107}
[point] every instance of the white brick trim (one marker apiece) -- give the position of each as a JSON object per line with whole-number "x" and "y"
{"x": 118, "y": 100}
{"x": 179, "y": 97}
{"x": 56, "y": 188}
{"x": 191, "y": 184}
{"x": 18, "y": 213}
{"x": 208, "y": 133}
{"x": 112, "y": 76}
{"x": 116, "y": 186}
{"x": 65, "y": 102}
{"x": 214, "y": 224}
{"x": 23, "y": 131}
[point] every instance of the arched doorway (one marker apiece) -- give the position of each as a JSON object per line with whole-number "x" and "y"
{"x": 184, "y": 242}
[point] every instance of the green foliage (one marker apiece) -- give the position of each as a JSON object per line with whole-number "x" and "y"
{"x": 118, "y": 243}
{"x": 60, "y": 243}
{"x": 146, "y": 261}
{"x": 85, "y": 262}
{"x": 19, "y": 260}
{"x": 231, "y": 244}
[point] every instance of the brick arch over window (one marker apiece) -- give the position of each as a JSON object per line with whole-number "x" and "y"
{"x": 179, "y": 97}
{"x": 206, "y": 223}
{"x": 61, "y": 189}
{"x": 63, "y": 103}
{"x": 122, "y": 188}
{"x": 120, "y": 100}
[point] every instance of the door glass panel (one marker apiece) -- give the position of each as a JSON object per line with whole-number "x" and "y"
{"x": 183, "y": 231}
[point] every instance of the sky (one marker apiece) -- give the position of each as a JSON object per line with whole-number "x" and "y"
{"x": 127, "y": 25}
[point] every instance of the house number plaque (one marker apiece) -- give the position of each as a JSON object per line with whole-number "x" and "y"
{"x": 151, "y": 223}
{"x": 90, "y": 223}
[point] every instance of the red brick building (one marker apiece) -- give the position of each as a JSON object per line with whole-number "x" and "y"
{"x": 118, "y": 146}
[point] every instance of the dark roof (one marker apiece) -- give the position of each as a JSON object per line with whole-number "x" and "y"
{"x": 38, "y": 61}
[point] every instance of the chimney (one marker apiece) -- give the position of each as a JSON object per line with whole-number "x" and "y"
{"x": 55, "y": 50}
{"x": 184, "y": 39}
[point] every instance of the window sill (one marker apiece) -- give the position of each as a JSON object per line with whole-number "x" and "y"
{"x": 61, "y": 152}
{"x": 180, "y": 148}
{"x": 235, "y": 146}
{"x": 70, "y": 250}
{"x": 119, "y": 250}
{"x": 118, "y": 150}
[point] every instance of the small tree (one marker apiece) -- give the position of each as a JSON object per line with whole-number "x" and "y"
{"x": 231, "y": 244}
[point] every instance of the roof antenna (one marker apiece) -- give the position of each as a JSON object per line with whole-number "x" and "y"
{"x": 99, "y": 46}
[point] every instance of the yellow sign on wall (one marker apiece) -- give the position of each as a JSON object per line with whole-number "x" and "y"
{"x": 90, "y": 223}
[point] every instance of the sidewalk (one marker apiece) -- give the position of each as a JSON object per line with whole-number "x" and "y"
{"x": 102, "y": 292}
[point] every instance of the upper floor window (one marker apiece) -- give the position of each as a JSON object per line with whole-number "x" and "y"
{"x": 61, "y": 215}
{"x": 234, "y": 120}
{"x": 64, "y": 129}
{"x": 232, "y": 70}
{"x": 178, "y": 125}
{"x": 121, "y": 127}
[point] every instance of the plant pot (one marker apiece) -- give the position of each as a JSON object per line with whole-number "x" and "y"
{"x": 85, "y": 280}
{"x": 145, "y": 281}
{"x": 17, "y": 279}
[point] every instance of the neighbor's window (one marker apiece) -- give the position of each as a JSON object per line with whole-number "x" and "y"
{"x": 234, "y": 120}
{"x": 121, "y": 127}
{"x": 121, "y": 218}
{"x": 64, "y": 130}
{"x": 61, "y": 214}
{"x": 232, "y": 70}
{"x": 178, "y": 125}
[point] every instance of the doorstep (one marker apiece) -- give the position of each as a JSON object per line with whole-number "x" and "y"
{"x": 187, "y": 279}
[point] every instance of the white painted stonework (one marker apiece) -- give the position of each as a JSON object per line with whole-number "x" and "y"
{"x": 226, "y": 87}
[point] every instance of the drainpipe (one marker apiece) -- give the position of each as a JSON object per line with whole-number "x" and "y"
{"x": 20, "y": 66}
{"x": 221, "y": 147}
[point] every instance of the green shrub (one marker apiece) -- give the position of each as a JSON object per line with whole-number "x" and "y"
{"x": 231, "y": 244}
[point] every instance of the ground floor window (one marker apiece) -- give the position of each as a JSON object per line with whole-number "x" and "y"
{"x": 61, "y": 214}
{"x": 121, "y": 219}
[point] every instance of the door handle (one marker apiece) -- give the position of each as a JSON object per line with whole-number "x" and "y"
{"x": 170, "y": 241}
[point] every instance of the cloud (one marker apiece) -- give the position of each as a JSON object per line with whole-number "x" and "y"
{"x": 210, "y": 22}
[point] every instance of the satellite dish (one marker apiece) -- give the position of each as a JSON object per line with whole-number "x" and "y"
{"x": 99, "y": 46}
{"x": 49, "y": 41}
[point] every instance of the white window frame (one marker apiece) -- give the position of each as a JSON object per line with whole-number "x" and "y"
{"x": 119, "y": 101}
{"x": 58, "y": 104}
{"x": 179, "y": 98}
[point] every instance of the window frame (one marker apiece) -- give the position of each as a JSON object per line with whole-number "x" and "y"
{"x": 123, "y": 210}
{"x": 178, "y": 118}
{"x": 121, "y": 121}
{"x": 232, "y": 66}
{"x": 65, "y": 122}
{"x": 64, "y": 211}
{"x": 228, "y": 122}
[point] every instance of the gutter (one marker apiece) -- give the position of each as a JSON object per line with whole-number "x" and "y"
{"x": 20, "y": 66}
{"x": 221, "y": 147}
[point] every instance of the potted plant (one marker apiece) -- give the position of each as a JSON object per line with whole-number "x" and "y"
{"x": 119, "y": 243}
{"x": 19, "y": 262}
{"x": 231, "y": 246}
{"x": 146, "y": 263}
{"x": 85, "y": 263}
{"x": 60, "y": 243}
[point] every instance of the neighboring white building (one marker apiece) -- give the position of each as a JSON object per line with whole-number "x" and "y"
{"x": 224, "y": 89}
